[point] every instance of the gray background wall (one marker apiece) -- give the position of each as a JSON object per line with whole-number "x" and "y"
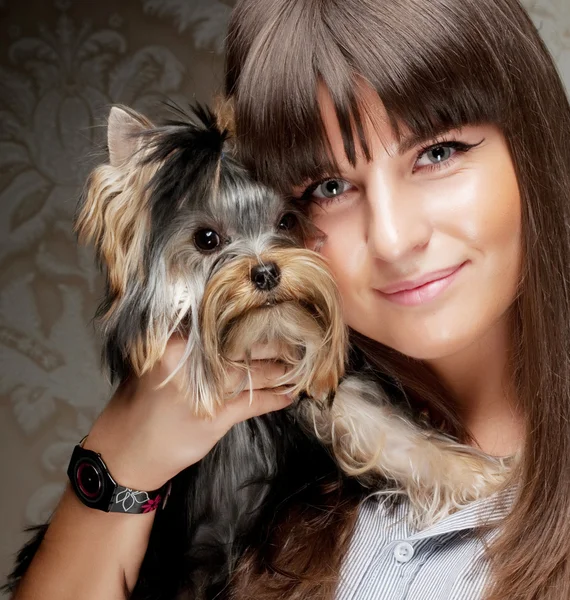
{"x": 62, "y": 63}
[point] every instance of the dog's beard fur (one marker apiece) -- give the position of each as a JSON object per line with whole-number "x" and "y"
{"x": 301, "y": 317}
{"x": 142, "y": 212}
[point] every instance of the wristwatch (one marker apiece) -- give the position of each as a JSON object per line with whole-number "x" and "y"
{"x": 96, "y": 488}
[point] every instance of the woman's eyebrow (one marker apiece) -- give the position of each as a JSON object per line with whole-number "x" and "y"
{"x": 411, "y": 140}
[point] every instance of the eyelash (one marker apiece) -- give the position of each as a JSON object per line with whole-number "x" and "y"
{"x": 459, "y": 147}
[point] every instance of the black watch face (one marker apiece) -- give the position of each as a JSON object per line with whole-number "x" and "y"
{"x": 89, "y": 477}
{"x": 90, "y": 480}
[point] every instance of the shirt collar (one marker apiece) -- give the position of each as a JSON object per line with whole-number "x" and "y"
{"x": 486, "y": 511}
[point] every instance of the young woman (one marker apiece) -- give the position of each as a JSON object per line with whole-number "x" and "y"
{"x": 429, "y": 141}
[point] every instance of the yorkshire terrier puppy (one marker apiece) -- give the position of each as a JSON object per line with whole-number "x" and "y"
{"x": 190, "y": 243}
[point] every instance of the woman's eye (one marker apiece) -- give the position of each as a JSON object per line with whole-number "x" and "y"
{"x": 331, "y": 188}
{"x": 436, "y": 155}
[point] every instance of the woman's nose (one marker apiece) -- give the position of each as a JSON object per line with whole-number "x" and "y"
{"x": 398, "y": 225}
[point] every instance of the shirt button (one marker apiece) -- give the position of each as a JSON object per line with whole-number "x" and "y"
{"x": 403, "y": 552}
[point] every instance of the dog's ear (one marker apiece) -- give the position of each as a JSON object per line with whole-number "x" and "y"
{"x": 112, "y": 213}
{"x": 123, "y": 134}
{"x": 114, "y": 216}
{"x": 103, "y": 208}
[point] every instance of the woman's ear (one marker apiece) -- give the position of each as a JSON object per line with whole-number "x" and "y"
{"x": 123, "y": 134}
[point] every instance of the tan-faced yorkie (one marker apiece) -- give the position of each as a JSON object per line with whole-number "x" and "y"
{"x": 190, "y": 243}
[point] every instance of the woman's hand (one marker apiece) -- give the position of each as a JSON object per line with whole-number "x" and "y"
{"x": 147, "y": 435}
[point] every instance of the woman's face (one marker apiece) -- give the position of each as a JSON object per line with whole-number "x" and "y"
{"x": 424, "y": 241}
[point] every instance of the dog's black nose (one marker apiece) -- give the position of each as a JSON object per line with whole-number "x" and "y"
{"x": 265, "y": 277}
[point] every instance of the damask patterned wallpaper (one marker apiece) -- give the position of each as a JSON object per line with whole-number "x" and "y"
{"x": 62, "y": 63}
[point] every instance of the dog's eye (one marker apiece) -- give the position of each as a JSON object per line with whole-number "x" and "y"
{"x": 288, "y": 222}
{"x": 206, "y": 240}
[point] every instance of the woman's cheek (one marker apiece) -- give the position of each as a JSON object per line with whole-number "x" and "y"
{"x": 345, "y": 245}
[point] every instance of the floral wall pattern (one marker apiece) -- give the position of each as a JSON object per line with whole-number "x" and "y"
{"x": 62, "y": 64}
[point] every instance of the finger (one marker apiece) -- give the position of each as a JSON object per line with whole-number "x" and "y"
{"x": 259, "y": 402}
{"x": 259, "y": 375}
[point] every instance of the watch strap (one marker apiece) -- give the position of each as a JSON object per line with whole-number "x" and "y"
{"x": 127, "y": 500}
{"x": 96, "y": 488}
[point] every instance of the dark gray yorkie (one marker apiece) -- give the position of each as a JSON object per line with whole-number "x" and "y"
{"x": 190, "y": 243}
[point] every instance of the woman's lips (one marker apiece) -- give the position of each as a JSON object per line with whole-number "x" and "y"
{"x": 423, "y": 289}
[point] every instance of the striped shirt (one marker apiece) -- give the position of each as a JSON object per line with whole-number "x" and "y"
{"x": 387, "y": 560}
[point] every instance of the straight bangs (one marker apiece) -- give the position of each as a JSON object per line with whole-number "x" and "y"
{"x": 430, "y": 69}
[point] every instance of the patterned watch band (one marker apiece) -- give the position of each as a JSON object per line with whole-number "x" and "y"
{"x": 96, "y": 488}
{"x": 126, "y": 500}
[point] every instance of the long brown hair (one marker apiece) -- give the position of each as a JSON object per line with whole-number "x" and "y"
{"x": 438, "y": 65}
